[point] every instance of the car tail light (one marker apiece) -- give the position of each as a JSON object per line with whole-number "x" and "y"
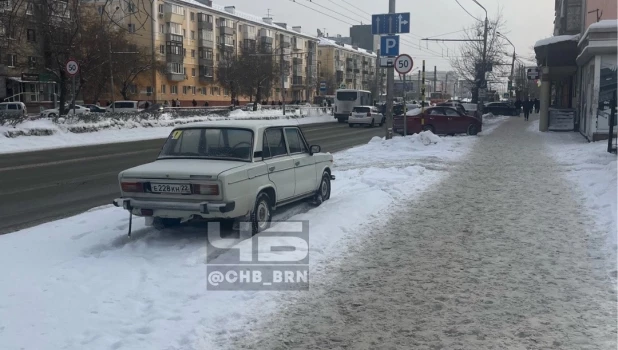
{"x": 132, "y": 187}
{"x": 207, "y": 190}
{"x": 369, "y": 114}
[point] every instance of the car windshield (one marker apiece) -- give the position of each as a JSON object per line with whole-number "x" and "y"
{"x": 2, "y": 107}
{"x": 361, "y": 109}
{"x": 209, "y": 143}
{"x": 347, "y": 95}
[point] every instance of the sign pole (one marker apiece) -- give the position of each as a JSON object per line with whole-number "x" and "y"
{"x": 390, "y": 83}
{"x": 74, "y": 95}
{"x": 423, "y": 97}
{"x": 405, "y": 110}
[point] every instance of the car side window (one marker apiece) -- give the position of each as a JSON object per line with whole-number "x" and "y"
{"x": 436, "y": 111}
{"x": 295, "y": 143}
{"x": 12, "y": 106}
{"x": 451, "y": 112}
{"x": 276, "y": 142}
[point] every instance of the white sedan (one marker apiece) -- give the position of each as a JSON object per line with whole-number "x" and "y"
{"x": 240, "y": 171}
{"x": 52, "y": 113}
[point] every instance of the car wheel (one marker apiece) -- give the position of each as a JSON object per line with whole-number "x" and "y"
{"x": 323, "y": 193}
{"x": 340, "y": 120}
{"x": 163, "y": 223}
{"x": 52, "y": 115}
{"x": 351, "y": 125}
{"x": 372, "y": 123}
{"x": 472, "y": 130}
{"x": 262, "y": 214}
{"x": 428, "y": 128}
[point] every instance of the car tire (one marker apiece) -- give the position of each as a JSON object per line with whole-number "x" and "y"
{"x": 429, "y": 128}
{"x": 351, "y": 125}
{"x": 51, "y": 115}
{"x": 472, "y": 130}
{"x": 163, "y": 223}
{"x": 323, "y": 192}
{"x": 340, "y": 120}
{"x": 372, "y": 124}
{"x": 261, "y": 216}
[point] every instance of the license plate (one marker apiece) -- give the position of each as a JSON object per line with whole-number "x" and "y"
{"x": 171, "y": 188}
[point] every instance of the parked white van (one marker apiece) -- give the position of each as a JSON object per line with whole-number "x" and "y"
{"x": 13, "y": 109}
{"x": 124, "y": 106}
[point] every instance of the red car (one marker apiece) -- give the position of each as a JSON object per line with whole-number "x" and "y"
{"x": 440, "y": 120}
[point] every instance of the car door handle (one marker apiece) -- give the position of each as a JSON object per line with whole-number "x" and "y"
{"x": 297, "y": 163}
{"x": 271, "y": 169}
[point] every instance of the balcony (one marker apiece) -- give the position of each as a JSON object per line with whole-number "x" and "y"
{"x": 297, "y": 60}
{"x": 365, "y": 71}
{"x": 173, "y": 37}
{"x": 174, "y": 58}
{"x": 205, "y": 26}
{"x": 205, "y": 43}
{"x": 297, "y": 81}
{"x": 298, "y": 71}
{"x": 223, "y": 30}
{"x": 249, "y": 45}
{"x": 209, "y": 62}
{"x": 285, "y": 43}
{"x": 339, "y": 67}
{"x": 175, "y": 76}
{"x": 266, "y": 40}
{"x": 349, "y": 69}
{"x": 170, "y": 16}
{"x": 349, "y": 60}
{"x": 356, "y": 70}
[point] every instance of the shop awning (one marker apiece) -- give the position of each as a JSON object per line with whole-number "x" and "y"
{"x": 557, "y": 51}
{"x": 19, "y": 80}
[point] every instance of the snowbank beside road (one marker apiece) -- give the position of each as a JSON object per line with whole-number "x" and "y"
{"x": 45, "y": 134}
{"x": 594, "y": 173}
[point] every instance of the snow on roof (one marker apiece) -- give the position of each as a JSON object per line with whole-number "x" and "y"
{"x": 246, "y": 16}
{"x": 328, "y": 42}
{"x": 556, "y": 39}
{"x": 601, "y": 26}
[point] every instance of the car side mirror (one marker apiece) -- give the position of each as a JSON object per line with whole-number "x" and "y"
{"x": 314, "y": 149}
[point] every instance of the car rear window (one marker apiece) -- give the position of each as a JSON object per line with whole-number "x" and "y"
{"x": 361, "y": 109}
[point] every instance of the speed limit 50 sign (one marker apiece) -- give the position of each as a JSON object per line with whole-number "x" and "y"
{"x": 72, "y": 67}
{"x": 403, "y": 64}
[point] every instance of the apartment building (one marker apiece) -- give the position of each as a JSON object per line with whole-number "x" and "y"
{"x": 345, "y": 66}
{"x": 578, "y": 67}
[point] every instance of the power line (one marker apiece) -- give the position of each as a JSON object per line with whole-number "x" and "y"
{"x": 434, "y": 36}
{"x": 460, "y": 5}
{"x": 325, "y": 14}
{"x": 356, "y": 7}
{"x": 347, "y": 9}
{"x": 339, "y": 13}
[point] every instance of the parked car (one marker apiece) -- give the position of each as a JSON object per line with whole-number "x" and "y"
{"x": 439, "y": 120}
{"x": 501, "y": 108}
{"x": 153, "y": 108}
{"x": 215, "y": 171}
{"x": 458, "y": 106}
{"x": 471, "y": 109}
{"x": 124, "y": 106}
{"x": 367, "y": 115}
{"x": 249, "y": 107}
{"x": 13, "y": 109}
{"x": 54, "y": 112}
{"x": 95, "y": 109}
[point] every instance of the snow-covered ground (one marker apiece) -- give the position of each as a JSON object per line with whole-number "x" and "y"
{"x": 56, "y": 135}
{"x": 79, "y": 283}
{"x": 593, "y": 171}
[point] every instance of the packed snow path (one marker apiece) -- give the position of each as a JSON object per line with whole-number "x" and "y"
{"x": 497, "y": 256}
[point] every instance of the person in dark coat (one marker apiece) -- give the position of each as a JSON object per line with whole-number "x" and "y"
{"x": 518, "y": 105}
{"x": 206, "y": 104}
{"x": 173, "y": 103}
{"x": 527, "y": 108}
{"x": 194, "y": 103}
{"x": 537, "y": 105}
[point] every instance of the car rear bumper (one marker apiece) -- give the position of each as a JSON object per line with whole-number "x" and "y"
{"x": 360, "y": 120}
{"x": 189, "y": 207}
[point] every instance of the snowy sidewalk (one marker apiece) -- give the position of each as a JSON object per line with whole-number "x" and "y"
{"x": 496, "y": 256}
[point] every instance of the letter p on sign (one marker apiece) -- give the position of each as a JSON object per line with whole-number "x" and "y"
{"x": 389, "y": 45}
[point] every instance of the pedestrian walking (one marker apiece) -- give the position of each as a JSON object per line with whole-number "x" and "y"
{"x": 165, "y": 104}
{"x": 518, "y": 105}
{"x": 194, "y": 103}
{"x": 146, "y": 105}
{"x": 537, "y": 105}
{"x": 527, "y": 108}
{"x": 206, "y": 104}
{"x": 177, "y": 102}
{"x": 173, "y": 103}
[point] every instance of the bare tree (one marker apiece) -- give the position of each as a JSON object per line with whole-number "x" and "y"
{"x": 468, "y": 64}
{"x": 259, "y": 70}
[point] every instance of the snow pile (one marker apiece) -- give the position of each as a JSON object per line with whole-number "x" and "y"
{"x": 67, "y": 132}
{"x": 556, "y": 39}
{"x": 80, "y": 283}
{"x": 593, "y": 171}
{"x": 488, "y": 115}
{"x": 413, "y": 112}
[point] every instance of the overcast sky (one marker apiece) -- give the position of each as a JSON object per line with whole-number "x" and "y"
{"x": 526, "y": 20}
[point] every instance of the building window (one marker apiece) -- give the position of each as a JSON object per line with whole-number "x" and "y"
{"x": 176, "y": 68}
{"x": 184, "y": 32}
{"x": 212, "y": 90}
{"x": 162, "y": 49}
{"x": 131, "y": 27}
{"x": 193, "y": 88}
{"x": 161, "y": 8}
{"x": 31, "y": 62}
{"x": 203, "y": 90}
{"x": 31, "y": 35}
{"x": 184, "y": 70}
{"x": 193, "y": 53}
{"x": 174, "y": 89}
{"x": 184, "y": 52}
{"x": 163, "y": 88}
{"x": 131, "y": 7}
{"x": 100, "y": 10}
{"x": 192, "y": 72}
{"x": 161, "y": 28}
{"x": 217, "y": 57}
{"x": 174, "y": 28}
{"x": 226, "y": 92}
{"x": 184, "y": 90}
{"x": 192, "y": 16}
{"x": 193, "y": 35}
{"x": 179, "y": 10}
{"x": 11, "y": 60}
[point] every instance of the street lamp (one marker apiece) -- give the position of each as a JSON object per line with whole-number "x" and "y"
{"x": 514, "y": 56}
{"x": 483, "y": 70}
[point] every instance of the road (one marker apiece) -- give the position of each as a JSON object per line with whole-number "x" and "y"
{"x": 40, "y": 186}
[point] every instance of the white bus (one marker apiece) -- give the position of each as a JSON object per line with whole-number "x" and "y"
{"x": 347, "y": 99}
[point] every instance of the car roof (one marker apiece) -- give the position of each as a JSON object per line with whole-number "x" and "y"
{"x": 254, "y": 125}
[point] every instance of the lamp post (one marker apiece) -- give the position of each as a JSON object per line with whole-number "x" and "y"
{"x": 514, "y": 56}
{"x": 484, "y": 68}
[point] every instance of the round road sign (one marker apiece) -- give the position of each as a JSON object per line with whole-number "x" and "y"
{"x": 72, "y": 67}
{"x": 403, "y": 64}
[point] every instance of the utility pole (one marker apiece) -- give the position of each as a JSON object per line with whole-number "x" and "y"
{"x": 435, "y": 78}
{"x": 377, "y": 73}
{"x": 481, "y": 78}
{"x": 419, "y": 85}
{"x": 282, "y": 67}
{"x": 111, "y": 76}
{"x": 390, "y": 81}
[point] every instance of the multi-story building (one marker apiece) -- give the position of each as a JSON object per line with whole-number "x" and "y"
{"x": 578, "y": 67}
{"x": 194, "y": 38}
{"x": 361, "y": 35}
{"x": 345, "y": 66}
